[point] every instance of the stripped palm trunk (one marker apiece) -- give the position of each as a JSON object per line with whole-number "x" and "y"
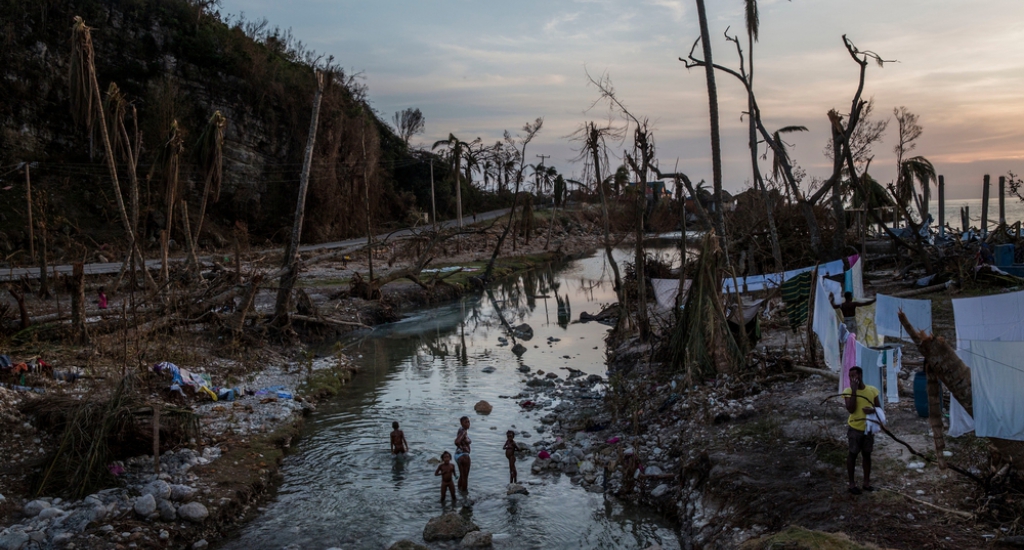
{"x": 946, "y": 365}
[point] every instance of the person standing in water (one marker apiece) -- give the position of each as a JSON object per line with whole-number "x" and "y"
{"x": 510, "y": 454}
{"x": 398, "y": 443}
{"x": 462, "y": 443}
{"x": 446, "y": 471}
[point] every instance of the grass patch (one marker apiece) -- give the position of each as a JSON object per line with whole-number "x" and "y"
{"x": 831, "y": 452}
{"x": 798, "y": 538}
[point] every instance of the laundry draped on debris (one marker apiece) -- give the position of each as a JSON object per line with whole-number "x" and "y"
{"x": 990, "y": 341}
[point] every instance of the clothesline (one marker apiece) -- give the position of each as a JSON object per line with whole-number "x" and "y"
{"x": 965, "y": 350}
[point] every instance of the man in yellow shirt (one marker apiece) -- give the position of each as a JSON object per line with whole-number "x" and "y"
{"x": 861, "y": 401}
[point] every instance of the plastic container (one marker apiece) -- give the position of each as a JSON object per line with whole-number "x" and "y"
{"x": 921, "y": 393}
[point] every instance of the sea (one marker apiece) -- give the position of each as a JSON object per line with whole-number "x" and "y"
{"x": 1014, "y": 211}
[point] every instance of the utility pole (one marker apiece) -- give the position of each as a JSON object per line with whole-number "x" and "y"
{"x": 542, "y": 159}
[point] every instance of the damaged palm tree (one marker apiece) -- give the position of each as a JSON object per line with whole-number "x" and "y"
{"x": 210, "y": 153}
{"x": 702, "y": 344}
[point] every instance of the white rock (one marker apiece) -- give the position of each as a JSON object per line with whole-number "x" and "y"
{"x": 49, "y": 513}
{"x": 158, "y": 488}
{"x": 653, "y": 471}
{"x": 181, "y": 493}
{"x": 145, "y": 505}
{"x": 200, "y": 544}
{"x": 33, "y": 508}
{"x": 164, "y": 535}
{"x": 659, "y": 490}
{"x": 193, "y": 511}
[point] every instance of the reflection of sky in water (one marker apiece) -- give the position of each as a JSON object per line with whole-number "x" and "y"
{"x": 342, "y": 488}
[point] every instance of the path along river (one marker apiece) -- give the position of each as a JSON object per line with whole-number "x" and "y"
{"x": 342, "y": 488}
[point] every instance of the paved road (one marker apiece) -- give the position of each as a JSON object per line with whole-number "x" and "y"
{"x": 12, "y": 274}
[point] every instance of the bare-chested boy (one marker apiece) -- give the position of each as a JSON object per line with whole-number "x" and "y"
{"x": 447, "y": 472}
{"x": 510, "y": 454}
{"x": 398, "y": 443}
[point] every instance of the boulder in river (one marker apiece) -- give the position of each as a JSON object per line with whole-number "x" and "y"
{"x": 523, "y": 332}
{"x": 516, "y": 489}
{"x": 477, "y": 539}
{"x": 518, "y": 349}
{"x": 483, "y": 407}
{"x": 449, "y": 526}
{"x": 407, "y": 545}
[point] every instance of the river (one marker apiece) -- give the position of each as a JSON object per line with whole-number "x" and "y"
{"x": 342, "y": 488}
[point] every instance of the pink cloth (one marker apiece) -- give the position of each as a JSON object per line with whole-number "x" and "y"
{"x": 103, "y": 301}
{"x": 849, "y": 358}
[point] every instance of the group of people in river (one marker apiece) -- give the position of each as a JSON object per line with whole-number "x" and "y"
{"x": 446, "y": 470}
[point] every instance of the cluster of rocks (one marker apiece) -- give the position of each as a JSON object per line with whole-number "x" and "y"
{"x": 170, "y": 498}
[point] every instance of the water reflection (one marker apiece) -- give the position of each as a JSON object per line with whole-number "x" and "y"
{"x": 343, "y": 488}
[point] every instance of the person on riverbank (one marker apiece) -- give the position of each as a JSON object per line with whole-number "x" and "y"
{"x": 510, "y": 454}
{"x": 849, "y": 309}
{"x": 446, "y": 470}
{"x": 102, "y": 298}
{"x": 462, "y": 444}
{"x": 398, "y": 443}
{"x": 861, "y": 401}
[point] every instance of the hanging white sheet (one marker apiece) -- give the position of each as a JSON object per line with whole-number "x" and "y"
{"x": 858, "y": 278}
{"x": 665, "y": 291}
{"x": 959, "y": 421}
{"x": 986, "y": 318}
{"x": 833, "y": 288}
{"x": 754, "y": 283}
{"x": 870, "y": 361}
{"x": 826, "y": 326}
{"x": 996, "y": 379}
{"x": 887, "y": 322}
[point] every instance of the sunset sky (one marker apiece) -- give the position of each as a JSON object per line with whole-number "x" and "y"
{"x": 479, "y": 68}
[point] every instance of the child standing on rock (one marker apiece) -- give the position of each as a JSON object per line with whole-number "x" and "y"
{"x": 510, "y": 454}
{"x": 447, "y": 471}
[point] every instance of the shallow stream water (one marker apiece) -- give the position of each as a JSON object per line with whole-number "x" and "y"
{"x": 342, "y": 488}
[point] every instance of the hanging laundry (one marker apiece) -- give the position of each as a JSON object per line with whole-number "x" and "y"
{"x": 997, "y": 317}
{"x": 856, "y": 272}
{"x": 866, "y": 332}
{"x": 996, "y": 380}
{"x": 665, "y": 291}
{"x": 796, "y": 293}
{"x": 849, "y": 361}
{"x": 826, "y": 326}
{"x": 887, "y": 322}
{"x": 870, "y": 361}
{"x": 893, "y": 361}
{"x": 959, "y": 421}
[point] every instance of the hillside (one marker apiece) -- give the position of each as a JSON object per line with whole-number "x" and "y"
{"x": 176, "y": 62}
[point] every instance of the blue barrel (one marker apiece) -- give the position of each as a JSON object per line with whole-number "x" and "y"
{"x": 921, "y": 393}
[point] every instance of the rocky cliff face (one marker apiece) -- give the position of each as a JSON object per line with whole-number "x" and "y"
{"x": 177, "y": 63}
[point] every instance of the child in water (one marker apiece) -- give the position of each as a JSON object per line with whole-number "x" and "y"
{"x": 447, "y": 471}
{"x": 510, "y": 454}
{"x": 398, "y": 443}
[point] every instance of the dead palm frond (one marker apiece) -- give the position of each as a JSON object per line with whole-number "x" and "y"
{"x": 83, "y": 98}
{"x": 210, "y": 153}
{"x": 702, "y": 344}
{"x": 781, "y": 157}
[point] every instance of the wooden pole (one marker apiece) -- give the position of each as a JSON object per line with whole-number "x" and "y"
{"x": 1002, "y": 200}
{"x": 942, "y": 206}
{"x": 984, "y": 208}
{"x": 164, "y": 273}
{"x": 156, "y": 439}
{"x": 28, "y": 199}
{"x": 78, "y": 303}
